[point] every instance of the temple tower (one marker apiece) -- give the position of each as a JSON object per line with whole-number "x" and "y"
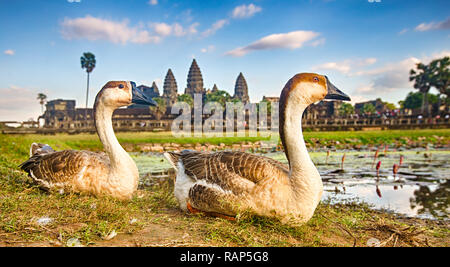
{"x": 194, "y": 80}
{"x": 241, "y": 89}
{"x": 170, "y": 92}
{"x": 214, "y": 89}
{"x": 155, "y": 88}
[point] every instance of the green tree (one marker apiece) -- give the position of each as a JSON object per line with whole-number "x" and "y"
{"x": 87, "y": 62}
{"x": 160, "y": 109}
{"x": 220, "y": 96}
{"x": 441, "y": 78}
{"x": 42, "y": 98}
{"x": 390, "y": 106}
{"x": 415, "y": 99}
{"x": 346, "y": 109}
{"x": 368, "y": 109}
{"x": 422, "y": 78}
{"x": 186, "y": 98}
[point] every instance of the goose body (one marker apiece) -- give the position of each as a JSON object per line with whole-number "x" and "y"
{"x": 228, "y": 183}
{"x": 113, "y": 173}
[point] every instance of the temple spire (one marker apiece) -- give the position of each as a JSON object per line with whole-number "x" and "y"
{"x": 155, "y": 88}
{"x": 214, "y": 89}
{"x": 241, "y": 89}
{"x": 170, "y": 89}
{"x": 194, "y": 80}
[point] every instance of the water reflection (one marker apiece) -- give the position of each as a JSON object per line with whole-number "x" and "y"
{"x": 436, "y": 202}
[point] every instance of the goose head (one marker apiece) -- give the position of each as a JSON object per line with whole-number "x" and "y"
{"x": 117, "y": 94}
{"x": 308, "y": 88}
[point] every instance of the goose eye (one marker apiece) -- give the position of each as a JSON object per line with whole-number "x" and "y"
{"x": 315, "y": 79}
{"x": 121, "y": 86}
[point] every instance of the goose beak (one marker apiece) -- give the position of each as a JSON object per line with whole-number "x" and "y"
{"x": 139, "y": 97}
{"x": 334, "y": 93}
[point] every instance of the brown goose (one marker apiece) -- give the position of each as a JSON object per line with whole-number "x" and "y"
{"x": 114, "y": 173}
{"x": 227, "y": 183}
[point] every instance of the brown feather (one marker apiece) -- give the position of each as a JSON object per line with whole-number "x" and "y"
{"x": 58, "y": 168}
{"x": 235, "y": 171}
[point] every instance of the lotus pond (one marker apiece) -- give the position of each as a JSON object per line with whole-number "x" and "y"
{"x": 420, "y": 186}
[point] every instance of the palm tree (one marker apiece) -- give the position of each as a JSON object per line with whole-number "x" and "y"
{"x": 160, "y": 109}
{"x": 42, "y": 98}
{"x": 88, "y": 63}
{"x": 186, "y": 98}
{"x": 422, "y": 81}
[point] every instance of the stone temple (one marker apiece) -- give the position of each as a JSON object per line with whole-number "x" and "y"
{"x": 195, "y": 81}
{"x": 241, "y": 89}
{"x": 63, "y": 114}
{"x": 215, "y": 89}
{"x": 170, "y": 92}
{"x": 194, "y": 86}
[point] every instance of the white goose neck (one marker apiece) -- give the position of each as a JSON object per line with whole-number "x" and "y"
{"x": 293, "y": 137}
{"x": 121, "y": 163}
{"x": 306, "y": 182}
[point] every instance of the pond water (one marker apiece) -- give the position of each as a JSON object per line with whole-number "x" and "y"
{"x": 420, "y": 188}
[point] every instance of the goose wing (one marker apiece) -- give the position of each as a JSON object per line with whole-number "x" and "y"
{"x": 58, "y": 168}
{"x": 229, "y": 170}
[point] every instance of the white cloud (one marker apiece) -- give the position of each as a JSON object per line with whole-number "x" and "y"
{"x": 163, "y": 29}
{"x": 245, "y": 11}
{"x": 290, "y": 40}
{"x": 390, "y": 78}
{"x": 192, "y": 29}
{"x": 403, "y": 31}
{"x": 393, "y": 76}
{"x": 13, "y": 101}
{"x": 74, "y": 1}
{"x": 9, "y": 52}
{"x": 153, "y": 2}
{"x": 367, "y": 61}
{"x": 318, "y": 42}
{"x": 239, "y": 12}
{"x": 94, "y": 29}
{"x": 340, "y": 67}
{"x": 215, "y": 27}
{"x": 425, "y": 27}
{"x": 208, "y": 49}
{"x": 345, "y": 66}
{"x": 358, "y": 99}
{"x": 443, "y": 25}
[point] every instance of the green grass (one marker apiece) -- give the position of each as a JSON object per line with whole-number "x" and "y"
{"x": 437, "y": 136}
{"x": 157, "y": 221}
{"x": 338, "y": 139}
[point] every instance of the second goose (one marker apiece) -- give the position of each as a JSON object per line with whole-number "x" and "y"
{"x": 227, "y": 183}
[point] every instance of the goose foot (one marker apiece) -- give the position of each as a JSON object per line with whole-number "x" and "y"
{"x": 192, "y": 209}
{"x": 212, "y": 214}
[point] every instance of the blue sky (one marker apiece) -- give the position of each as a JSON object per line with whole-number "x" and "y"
{"x": 365, "y": 48}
